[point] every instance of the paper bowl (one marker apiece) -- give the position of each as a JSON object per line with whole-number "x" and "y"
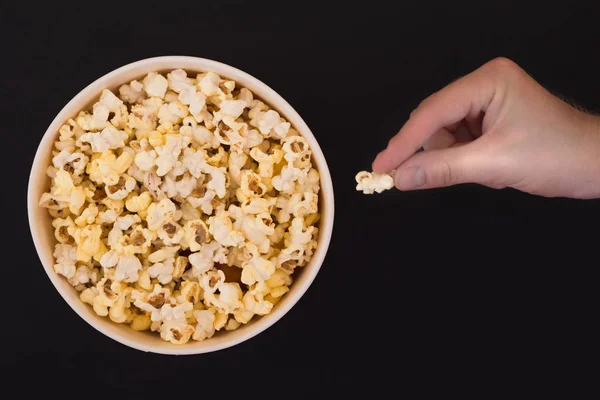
{"x": 42, "y": 230}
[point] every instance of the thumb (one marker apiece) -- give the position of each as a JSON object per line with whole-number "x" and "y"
{"x": 440, "y": 168}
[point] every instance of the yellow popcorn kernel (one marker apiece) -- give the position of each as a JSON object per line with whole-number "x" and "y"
{"x": 130, "y": 316}
{"x": 88, "y": 241}
{"x": 232, "y": 325}
{"x": 115, "y": 205}
{"x": 76, "y": 200}
{"x": 123, "y": 162}
{"x": 190, "y": 291}
{"x": 63, "y": 182}
{"x": 243, "y": 317}
{"x": 199, "y": 306}
{"x": 142, "y": 134}
{"x": 117, "y": 311}
{"x": 180, "y": 263}
{"x": 220, "y": 320}
{"x": 141, "y": 323}
{"x": 166, "y": 128}
{"x": 99, "y": 307}
{"x": 271, "y": 299}
{"x": 279, "y": 291}
{"x": 88, "y": 216}
{"x": 91, "y": 239}
{"x": 155, "y": 138}
{"x": 101, "y": 251}
{"x": 88, "y": 295}
{"x": 312, "y": 219}
{"x": 139, "y": 203}
{"x": 144, "y": 280}
{"x": 61, "y": 231}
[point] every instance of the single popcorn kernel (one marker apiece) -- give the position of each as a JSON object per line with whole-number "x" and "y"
{"x": 369, "y": 183}
{"x": 182, "y": 205}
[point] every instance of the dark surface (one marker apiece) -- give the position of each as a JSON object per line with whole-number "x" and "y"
{"x": 457, "y": 280}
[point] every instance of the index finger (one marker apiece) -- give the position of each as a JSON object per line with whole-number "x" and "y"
{"x": 468, "y": 95}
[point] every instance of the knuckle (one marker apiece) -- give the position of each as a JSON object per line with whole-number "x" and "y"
{"x": 449, "y": 175}
{"x": 503, "y": 66}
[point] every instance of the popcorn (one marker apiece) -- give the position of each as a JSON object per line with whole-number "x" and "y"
{"x": 73, "y": 163}
{"x": 229, "y": 299}
{"x": 266, "y": 161}
{"x": 160, "y": 214}
{"x": 163, "y": 254}
{"x": 199, "y": 135}
{"x": 217, "y": 181}
{"x": 222, "y": 230}
{"x": 178, "y": 81}
{"x": 195, "y": 101}
{"x": 61, "y": 230}
{"x": 155, "y": 85}
{"x": 141, "y": 323}
{"x": 172, "y": 113}
{"x": 209, "y": 84}
{"x": 286, "y": 181}
{"x": 128, "y": 268}
{"x": 132, "y": 93}
{"x": 254, "y": 228}
{"x": 145, "y": 160}
{"x": 110, "y": 138}
{"x": 162, "y": 271}
{"x": 152, "y": 302}
{"x": 122, "y": 188}
{"x": 204, "y": 329}
{"x": 311, "y": 183}
{"x": 182, "y": 206}
{"x": 259, "y": 205}
{"x": 211, "y": 281}
{"x": 88, "y": 216}
{"x": 196, "y": 234}
{"x": 125, "y": 222}
{"x": 254, "y": 301}
{"x": 232, "y": 108}
{"x": 170, "y": 233}
{"x": 109, "y": 259}
{"x": 204, "y": 260}
{"x": 190, "y": 292}
{"x": 176, "y": 332}
{"x": 258, "y": 269}
{"x": 169, "y": 312}
{"x": 65, "y": 256}
{"x": 295, "y": 147}
{"x": 169, "y": 152}
{"x": 139, "y": 203}
{"x": 106, "y": 168}
{"x": 371, "y": 182}
{"x": 89, "y": 244}
{"x": 251, "y": 184}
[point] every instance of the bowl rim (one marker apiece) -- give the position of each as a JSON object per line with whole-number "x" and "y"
{"x": 271, "y": 97}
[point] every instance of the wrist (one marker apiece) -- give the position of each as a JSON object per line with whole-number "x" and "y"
{"x": 590, "y": 185}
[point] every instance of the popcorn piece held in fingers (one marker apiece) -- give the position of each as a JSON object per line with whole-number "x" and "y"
{"x": 371, "y": 182}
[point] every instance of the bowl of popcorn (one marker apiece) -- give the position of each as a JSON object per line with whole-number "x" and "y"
{"x": 179, "y": 205}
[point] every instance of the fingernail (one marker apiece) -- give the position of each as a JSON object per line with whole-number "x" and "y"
{"x": 411, "y": 178}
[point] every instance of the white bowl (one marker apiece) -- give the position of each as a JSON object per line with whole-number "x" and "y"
{"x": 42, "y": 231}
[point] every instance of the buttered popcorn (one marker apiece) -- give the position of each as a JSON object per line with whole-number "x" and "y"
{"x": 183, "y": 205}
{"x": 371, "y": 182}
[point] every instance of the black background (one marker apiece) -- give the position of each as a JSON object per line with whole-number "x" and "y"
{"x": 465, "y": 280}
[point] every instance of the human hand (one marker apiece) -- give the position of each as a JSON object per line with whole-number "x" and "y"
{"x": 497, "y": 127}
